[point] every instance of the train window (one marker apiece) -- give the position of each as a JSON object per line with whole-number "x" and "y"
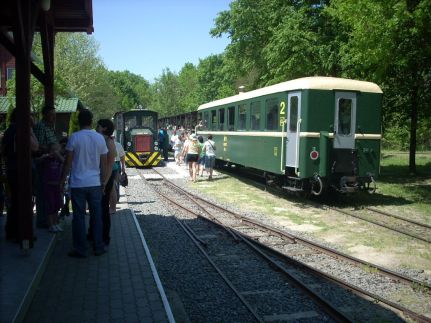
{"x": 231, "y": 118}
{"x": 255, "y": 115}
{"x": 242, "y": 117}
{"x": 147, "y": 121}
{"x": 272, "y": 114}
{"x": 293, "y": 120}
{"x": 344, "y": 116}
{"x": 206, "y": 120}
{"x": 213, "y": 120}
{"x": 221, "y": 119}
{"x": 130, "y": 122}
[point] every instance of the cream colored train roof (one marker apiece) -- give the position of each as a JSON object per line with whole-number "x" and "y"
{"x": 315, "y": 83}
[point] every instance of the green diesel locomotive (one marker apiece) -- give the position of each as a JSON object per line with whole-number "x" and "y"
{"x": 136, "y": 130}
{"x": 306, "y": 135}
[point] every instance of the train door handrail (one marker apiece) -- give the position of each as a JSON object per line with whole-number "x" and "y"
{"x": 282, "y": 145}
{"x": 298, "y": 132}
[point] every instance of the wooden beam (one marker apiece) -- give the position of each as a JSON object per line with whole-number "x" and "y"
{"x": 10, "y": 46}
{"x": 22, "y": 33}
{"x": 47, "y": 37}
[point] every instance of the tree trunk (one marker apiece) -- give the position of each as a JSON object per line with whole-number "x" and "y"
{"x": 413, "y": 127}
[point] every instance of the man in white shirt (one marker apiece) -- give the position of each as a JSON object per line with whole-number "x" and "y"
{"x": 86, "y": 159}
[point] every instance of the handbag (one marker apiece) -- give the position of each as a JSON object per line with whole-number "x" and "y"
{"x": 123, "y": 180}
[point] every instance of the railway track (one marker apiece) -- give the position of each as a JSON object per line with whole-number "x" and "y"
{"x": 287, "y": 239}
{"x": 226, "y": 255}
{"x": 393, "y": 222}
{"x": 412, "y": 229}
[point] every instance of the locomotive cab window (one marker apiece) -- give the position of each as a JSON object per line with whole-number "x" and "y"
{"x": 255, "y": 115}
{"x": 231, "y": 118}
{"x": 221, "y": 119}
{"x": 271, "y": 114}
{"x": 293, "y": 113}
{"x": 130, "y": 122}
{"x": 242, "y": 117}
{"x": 344, "y": 117}
{"x": 148, "y": 121}
{"x": 214, "y": 120}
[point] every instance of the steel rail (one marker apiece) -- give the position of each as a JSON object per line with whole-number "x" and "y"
{"x": 397, "y": 217}
{"x": 354, "y": 289}
{"x": 377, "y": 223}
{"x": 325, "y": 306}
{"x": 222, "y": 275}
{"x": 357, "y": 290}
{"x": 329, "y": 251}
{"x": 197, "y": 242}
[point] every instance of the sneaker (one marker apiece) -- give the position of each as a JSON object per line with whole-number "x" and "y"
{"x": 53, "y": 229}
{"x": 59, "y": 229}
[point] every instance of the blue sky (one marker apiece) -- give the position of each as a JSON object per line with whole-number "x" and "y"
{"x": 147, "y": 36}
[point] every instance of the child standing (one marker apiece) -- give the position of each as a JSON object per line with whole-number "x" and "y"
{"x": 52, "y": 167}
{"x": 178, "y": 147}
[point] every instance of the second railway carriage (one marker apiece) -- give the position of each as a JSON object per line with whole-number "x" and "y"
{"x": 136, "y": 130}
{"x": 306, "y": 134}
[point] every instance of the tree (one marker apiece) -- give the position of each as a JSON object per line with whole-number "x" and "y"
{"x": 214, "y": 78}
{"x": 133, "y": 90}
{"x": 390, "y": 42}
{"x": 166, "y": 94}
{"x": 81, "y": 73}
{"x": 188, "y": 80}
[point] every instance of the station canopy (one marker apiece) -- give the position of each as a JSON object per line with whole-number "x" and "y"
{"x": 65, "y": 15}
{"x": 19, "y": 20}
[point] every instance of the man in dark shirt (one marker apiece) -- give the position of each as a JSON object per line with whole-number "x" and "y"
{"x": 45, "y": 134}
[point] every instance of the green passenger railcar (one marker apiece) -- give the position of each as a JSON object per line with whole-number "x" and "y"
{"x": 307, "y": 134}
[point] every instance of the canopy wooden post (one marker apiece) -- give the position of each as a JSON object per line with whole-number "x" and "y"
{"x": 23, "y": 35}
{"x": 47, "y": 36}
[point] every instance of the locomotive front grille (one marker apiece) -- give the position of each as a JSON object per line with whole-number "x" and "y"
{"x": 143, "y": 142}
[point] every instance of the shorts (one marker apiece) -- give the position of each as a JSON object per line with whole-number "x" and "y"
{"x": 209, "y": 161}
{"x": 192, "y": 158}
{"x": 202, "y": 160}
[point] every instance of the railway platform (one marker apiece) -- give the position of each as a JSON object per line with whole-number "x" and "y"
{"x": 48, "y": 286}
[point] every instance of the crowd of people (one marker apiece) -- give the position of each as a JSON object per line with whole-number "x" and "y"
{"x": 193, "y": 150}
{"x": 83, "y": 168}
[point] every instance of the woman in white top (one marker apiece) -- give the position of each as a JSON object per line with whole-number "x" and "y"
{"x": 192, "y": 151}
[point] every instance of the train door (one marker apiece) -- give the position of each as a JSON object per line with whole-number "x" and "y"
{"x": 292, "y": 128}
{"x": 345, "y": 120}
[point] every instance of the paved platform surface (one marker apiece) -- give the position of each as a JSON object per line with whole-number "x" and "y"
{"x": 18, "y": 271}
{"x": 119, "y": 286}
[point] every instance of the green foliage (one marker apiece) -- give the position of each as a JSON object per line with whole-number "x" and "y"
{"x": 213, "y": 79}
{"x": 166, "y": 94}
{"x": 133, "y": 90}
